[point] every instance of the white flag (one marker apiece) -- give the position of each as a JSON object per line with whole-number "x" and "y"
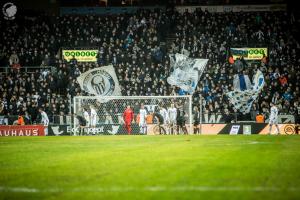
{"x": 100, "y": 81}
{"x": 186, "y": 71}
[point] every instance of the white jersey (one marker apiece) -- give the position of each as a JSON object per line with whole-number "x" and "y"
{"x": 45, "y": 119}
{"x": 143, "y": 115}
{"x": 93, "y": 117}
{"x": 87, "y": 118}
{"x": 273, "y": 115}
{"x": 163, "y": 112}
{"x": 172, "y": 112}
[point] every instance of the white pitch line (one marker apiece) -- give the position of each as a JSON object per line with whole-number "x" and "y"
{"x": 149, "y": 189}
{"x": 236, "y": 144}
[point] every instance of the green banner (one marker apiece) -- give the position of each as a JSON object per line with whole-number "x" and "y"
{"x": 80, "y": 55}
{"x": 249, "y": 53}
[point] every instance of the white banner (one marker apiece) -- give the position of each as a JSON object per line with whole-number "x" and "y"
{"x": 100, "y": 81}
{"x": 186, "y": 71}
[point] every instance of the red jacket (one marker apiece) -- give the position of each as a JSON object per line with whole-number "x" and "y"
{"x": 128, "y": 115}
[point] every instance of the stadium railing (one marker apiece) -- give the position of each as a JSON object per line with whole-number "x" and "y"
{"x": 25, "y": 69}
{"x": 54, "y": 119}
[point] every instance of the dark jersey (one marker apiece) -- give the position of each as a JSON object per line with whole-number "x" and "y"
{"x": 180, "y": 117}
{"x": 81, "y": 120}
{"x": 196, "y": 118}
{"x": 159, "y": 117}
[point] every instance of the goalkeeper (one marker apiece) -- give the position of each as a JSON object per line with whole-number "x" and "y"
{"x": 128, "y": 117}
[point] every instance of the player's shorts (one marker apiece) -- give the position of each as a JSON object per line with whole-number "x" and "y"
{"x": 83, "y": 123}
{"x": 93, "y": 122}
{"x": 165, "y": 122}
{"x": 273, "y": 121}
{"x": 180, "y": 121}
{"x": 196, "y": 123}
{"x": 173, "y": 121}
{"x": 142, "y": 123}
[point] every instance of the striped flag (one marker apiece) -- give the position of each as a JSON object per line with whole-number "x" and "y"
{"x": 243, "y": 100}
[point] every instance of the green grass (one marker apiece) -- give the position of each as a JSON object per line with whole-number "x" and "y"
{"x": 150, "y": 167}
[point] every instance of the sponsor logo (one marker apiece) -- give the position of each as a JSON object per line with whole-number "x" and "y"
{"x": 56, "y": 131}
{"x": 80, "y": 55}
{"x": 247, "y": 129}
{"x": 111, "y": 129}
{"x": 234, "y": 130}
{"x": 249, "y": 53}
{"x": 26, "y": 130}
{"x": 114, "y": 130}
{"x": 20, "y": 132}
{"x": 9, "y": 11}
{"x": 290, "y": 129}
{"x": 99, "y": 82}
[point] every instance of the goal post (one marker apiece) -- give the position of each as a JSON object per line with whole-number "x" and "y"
{"x": 108, "y": 117}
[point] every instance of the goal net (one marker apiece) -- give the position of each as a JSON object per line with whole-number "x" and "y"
{"x": 139, "y": 115}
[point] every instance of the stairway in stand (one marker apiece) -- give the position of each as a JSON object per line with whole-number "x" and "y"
{"x": 171, "y": 37}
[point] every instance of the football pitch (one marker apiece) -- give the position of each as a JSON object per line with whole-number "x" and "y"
{"x": 150, "y": 167}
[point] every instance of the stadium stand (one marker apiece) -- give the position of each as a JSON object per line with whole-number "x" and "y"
{"x": 138, "y": 45}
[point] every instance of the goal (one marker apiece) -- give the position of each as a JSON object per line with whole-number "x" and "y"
{"x": 108, "y": 117}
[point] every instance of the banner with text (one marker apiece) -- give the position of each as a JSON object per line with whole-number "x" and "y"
{"x": 152, "y": 129}
{"x": 81, "y": 55}
{"x": 249, "y": 53}
{"x": 27, "y": 130}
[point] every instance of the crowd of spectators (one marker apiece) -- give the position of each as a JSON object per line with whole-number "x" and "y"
{"x": 136, "y": 45}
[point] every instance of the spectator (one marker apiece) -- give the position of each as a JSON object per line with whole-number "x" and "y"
{"x": 131, "y": 42}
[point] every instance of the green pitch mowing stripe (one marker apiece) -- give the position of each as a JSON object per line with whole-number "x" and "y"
{"x": 150, "y": 167}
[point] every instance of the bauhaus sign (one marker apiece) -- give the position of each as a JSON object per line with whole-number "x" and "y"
{"x": 27, "y": 130}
